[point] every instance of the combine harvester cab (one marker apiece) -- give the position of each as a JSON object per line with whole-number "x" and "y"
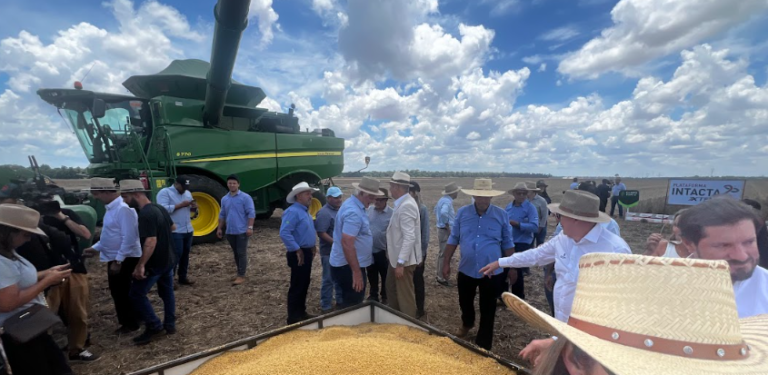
{"x": 192, "y": 119}
{"x": 367, "y": 312}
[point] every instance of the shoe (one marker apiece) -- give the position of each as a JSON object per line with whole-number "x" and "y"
{"x": 326, "y": 311}
{"x": 372, "y": 298}
{"x": 463, "y": 332}
{"x": 146, "y": 337}
{"x": 187, "y": 282}
{"x": 125, "y": 329}
{"x": 170, "y": 330}
{"x": 420, "y": 314}
{"x": 84, "y": 356}
{"x": 444, "y": 282}
{"x": 308, "y": 317}
{"x": 238, "y": 280}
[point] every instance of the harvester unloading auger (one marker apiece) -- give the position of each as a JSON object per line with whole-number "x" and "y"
{"x": 192, "y": 119}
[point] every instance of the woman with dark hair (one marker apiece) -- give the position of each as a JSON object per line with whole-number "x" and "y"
{"x": 21, "y": 287}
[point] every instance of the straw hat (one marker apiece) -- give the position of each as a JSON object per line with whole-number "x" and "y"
{"x": 20, "y": 217}
{"x": 298, "y": 188}
{"x": 532, "y": 186}
{"x": 132, "y": 186}
{"x": 386, "y": 194}
{"x": 580, "y": 205}
{"x": 450, "y": 188}
{"x": 541, "y": 183}
{"x": 401, "y": 178}
{"x": 483, "y": 188}
{"x": 368, "y": 185}
{"x": 522, "y": 186}
{"x": 639, "y": 315}
{"x": 103, "y": 184}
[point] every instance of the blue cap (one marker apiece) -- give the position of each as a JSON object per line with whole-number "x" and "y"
{"x": 333, "y": 192}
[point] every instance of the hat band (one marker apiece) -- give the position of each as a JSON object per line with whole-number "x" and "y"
{"x": 579, "y": 213}
{"x": 404, "y": 182}
{"x": 660, "y": 345}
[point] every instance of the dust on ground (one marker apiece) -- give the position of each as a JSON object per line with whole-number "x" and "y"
{"x": 212, "y": 312}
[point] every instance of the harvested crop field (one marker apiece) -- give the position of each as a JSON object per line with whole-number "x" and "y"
{"x": 212, "y": 312}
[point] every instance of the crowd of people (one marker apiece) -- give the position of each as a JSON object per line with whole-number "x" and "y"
{"x": 593, "y": 284}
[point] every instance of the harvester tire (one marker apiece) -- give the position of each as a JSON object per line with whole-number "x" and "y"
{"x": 207, "y": 194}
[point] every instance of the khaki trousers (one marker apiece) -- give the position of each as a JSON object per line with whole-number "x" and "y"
{"x": 72, "y": 298}
{"x": 401, "y": 295}
{"x": 442, "y": 237}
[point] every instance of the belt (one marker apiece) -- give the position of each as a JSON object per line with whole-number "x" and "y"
{"x": 442, "y": 228}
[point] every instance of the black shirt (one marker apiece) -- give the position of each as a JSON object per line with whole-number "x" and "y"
{"x": 45, "y": 253}
{"x": 604, "y": 191}
{"x": 762, "y": 246}
{"x": 154, "y": 221}
{"x": 74, "y": 255}
{"x": 546, "y": 197}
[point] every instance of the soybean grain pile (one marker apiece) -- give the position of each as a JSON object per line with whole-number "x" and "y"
{"x": 365, "y": 349}
{"x": 212, "y": 312}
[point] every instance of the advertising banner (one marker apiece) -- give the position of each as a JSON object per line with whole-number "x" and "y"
{"x": 693, "y": 192}
{"x": 629, "y": 198}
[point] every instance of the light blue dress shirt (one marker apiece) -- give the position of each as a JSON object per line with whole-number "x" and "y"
{"x": 444, "y": 212}
{"x": 236, "y": 210}
{"x": 528, "y": 218}
{"x": 481, "y": 239}
{"x": 297, "y": 229}
{"x": 352, "y": 220}
{"x": 169, "y": 198}
{"x": 618, "y": 188}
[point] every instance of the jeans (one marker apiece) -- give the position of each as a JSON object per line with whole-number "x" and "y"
{"x": 418, "y": 285}
{"x": 518, "y": 288}
{"x": 329, "y": 286}
{"x": 376, "y": 270}
{"x": 442, "y": 237}
{"x": 120, "y": 288}
{"x": 182, "y": 244}
{"x": 239, "y": 244}
{"x": 614, "y": 202}
{"x": 139, "y": 291}
{"x": 540, "y": 237}
{"x": 39, "y": 356}
{"x": 300, "y": 277}
{"x": 343, "y": 276}
{"x": 468, "y": 287}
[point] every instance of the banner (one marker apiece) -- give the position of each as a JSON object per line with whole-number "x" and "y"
{"x": 629, "y": 198}
{"x": 693, "y": 192}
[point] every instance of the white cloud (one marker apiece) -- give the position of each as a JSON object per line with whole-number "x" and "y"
{"x": 560, "y": 34}
{"x": 263, "y": 11}
{"x": 502, "y": 7}
{"x": 542, "y": 67}
{"x": 644, "y": 30}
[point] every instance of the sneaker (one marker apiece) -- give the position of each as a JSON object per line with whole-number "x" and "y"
{"x": 125, "y": 329}
{"x": 239, "y": 280}
{"x": 187, "y": 282}
{"x": 84, "y": 356}
{"x": 147, "y": 336}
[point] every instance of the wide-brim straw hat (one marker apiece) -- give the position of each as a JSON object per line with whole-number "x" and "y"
{"x": 532, "y": 186}
{"x": 639, "y": 315}
{"x": 522, "y": 186}
{"x": 103, "y": 184}
{"x": 368, "y": 185}
{"x": 298, "y": 188}
{"x": 483, "y": 187}
{"x": 132, "y": 186}
{"x": 401, "y": 178}
{"x": 451, "y": 188}
{"x": 386, "y": 194}
{"x": 20, "y": 217}
{"x": 580, "y": 205}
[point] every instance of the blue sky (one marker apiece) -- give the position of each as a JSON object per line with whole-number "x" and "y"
{"x": 593, "y": 87}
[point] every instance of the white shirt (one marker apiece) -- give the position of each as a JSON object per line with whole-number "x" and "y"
{"x": 752, "y": 294}
{"x": 671, "y": 251}
{"x": 565, "y": 252}
{"x": 119, "y": 234}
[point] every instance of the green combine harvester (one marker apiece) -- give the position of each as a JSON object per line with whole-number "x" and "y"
{"x": 192, "y": 119}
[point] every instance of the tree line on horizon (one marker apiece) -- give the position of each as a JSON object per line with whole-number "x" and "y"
{"x": 452, "y": 174}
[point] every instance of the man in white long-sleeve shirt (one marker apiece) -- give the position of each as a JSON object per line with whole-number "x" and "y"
{"x": 119, "y": 247}
{"x": 580, "y": 215}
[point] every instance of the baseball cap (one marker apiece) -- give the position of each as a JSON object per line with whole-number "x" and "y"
{"x": 334, "y": 191}
{"x": 10, "y": 191}
{"x": 183, "y": 181}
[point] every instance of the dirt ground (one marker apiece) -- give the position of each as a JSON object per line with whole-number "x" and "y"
{"x": 212, "y": 312}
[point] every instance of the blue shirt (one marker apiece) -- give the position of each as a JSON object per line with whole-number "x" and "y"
{"x": 169, "y": 198}
{"x": 324, "y": 223}
{"x": 481, "y": 239}
{"x": 236, "y": 210}
{"x": 297, "y": 229}
{"x": 528, "y": 218}
{"x": 617, "y": 188}
{"x": 574, "y": 185}
{"x": 444, "y": 212}
{"x": 352, "y": 220}
{"x": 379, "y": 222}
